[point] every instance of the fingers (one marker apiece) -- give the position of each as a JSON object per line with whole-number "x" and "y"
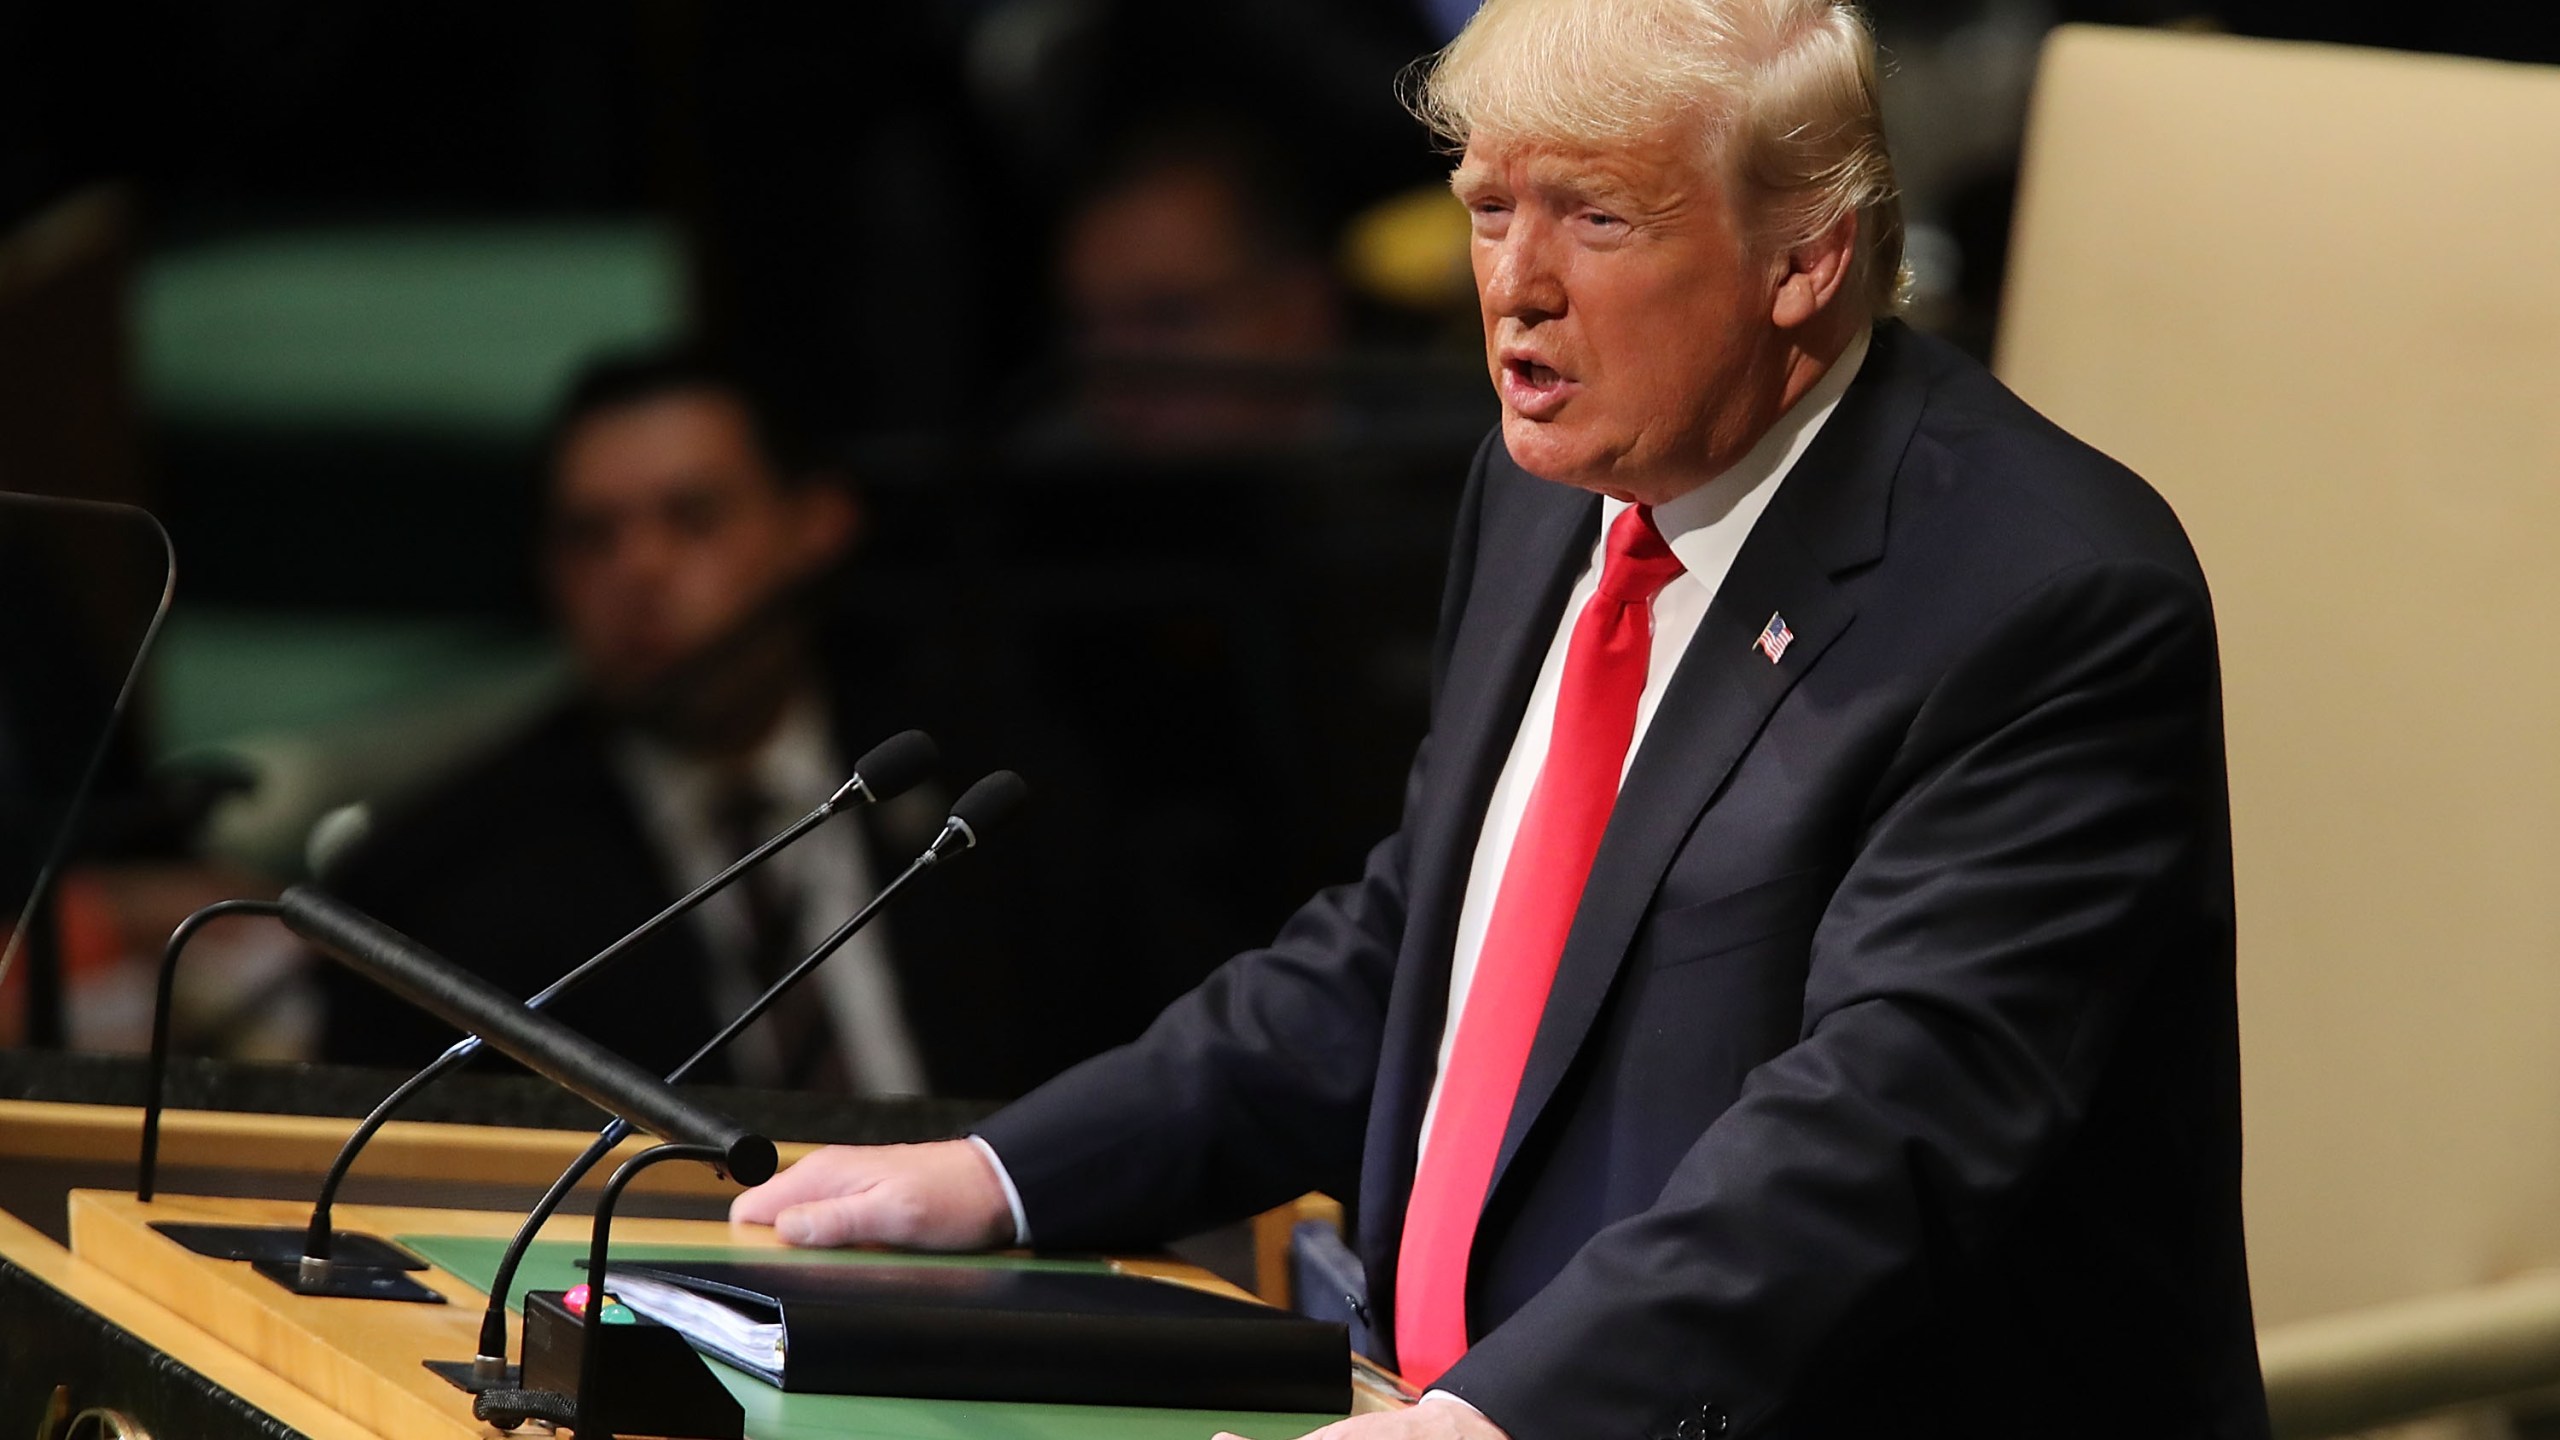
{"x": 940, "y": 1196}
{"x": 835, "y": 1170}
{"x": 824, "y": 1222}
{"x": 1432, "y": 1420}
{"x": 863, "y": 1218}
{"x": 1330, "y": 1432}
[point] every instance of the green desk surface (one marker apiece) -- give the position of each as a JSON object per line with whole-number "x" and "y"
{"x": 773, "y": 1415}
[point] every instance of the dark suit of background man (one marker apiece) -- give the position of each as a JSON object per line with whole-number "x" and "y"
{"x": 716, "y": 704}
{"x": 1880, "y": 1074}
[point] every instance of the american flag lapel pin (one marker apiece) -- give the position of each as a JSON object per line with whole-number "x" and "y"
{"x": 1775, "y": 637}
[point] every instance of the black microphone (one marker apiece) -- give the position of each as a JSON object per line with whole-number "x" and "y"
{"x": 979, "y": 810}
{"x": 541, "y": 1044}
{"x": 885, "y": 771}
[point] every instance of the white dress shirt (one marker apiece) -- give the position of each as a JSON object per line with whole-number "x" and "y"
{"x": 828, "y": 871}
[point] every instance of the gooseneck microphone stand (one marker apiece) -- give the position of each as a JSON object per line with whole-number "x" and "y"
{"x": 316, "y": 1236}
{"x": 159, "y": 1065}
{"x": 888, "y": 769}
{"x": 984, "y": 804}
{"x": 507, "y": 1405}
{"x": 615, "y": 1085}
{"x": 541, "y": 1044}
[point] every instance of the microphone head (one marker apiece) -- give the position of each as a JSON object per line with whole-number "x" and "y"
{"x": 987, "y": 804}
{"x": 894, "y": 766}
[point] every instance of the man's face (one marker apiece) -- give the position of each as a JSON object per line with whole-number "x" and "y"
{"x": 1163, "y": 269}
{"x": 1627, "y": 325}
{"x": 668, "y": 525}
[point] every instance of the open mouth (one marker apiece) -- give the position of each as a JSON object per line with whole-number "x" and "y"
{"x": 1533, "y": 389}
{"x": 1535, "y": 375}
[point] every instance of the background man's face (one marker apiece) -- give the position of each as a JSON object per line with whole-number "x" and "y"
{"x": 1623, "y": 315}
{"x": 668, "y": 525}
{"x": 1162, "y": 268}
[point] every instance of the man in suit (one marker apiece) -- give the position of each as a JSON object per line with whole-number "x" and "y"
{"x": 684, "y": 554}
{"x": 1798, "y": 1000}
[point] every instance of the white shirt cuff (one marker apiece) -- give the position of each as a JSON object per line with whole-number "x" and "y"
{"x": 1452, "y": 1399}
{"x": 1013, "y": 1197}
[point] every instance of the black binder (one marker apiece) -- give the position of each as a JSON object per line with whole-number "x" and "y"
{"x": 995, "y": 1332}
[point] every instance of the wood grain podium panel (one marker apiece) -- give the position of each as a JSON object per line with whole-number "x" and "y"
{"x": 305, "y": 1144}
{"x": 143, "y": 1313}
{"x": 359, "y": 1358}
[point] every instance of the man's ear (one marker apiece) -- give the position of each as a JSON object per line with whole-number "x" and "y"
{"x": 1813, "y": 273}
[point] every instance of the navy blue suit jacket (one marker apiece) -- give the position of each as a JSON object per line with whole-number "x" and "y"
{"x": 1889, "y": 1082}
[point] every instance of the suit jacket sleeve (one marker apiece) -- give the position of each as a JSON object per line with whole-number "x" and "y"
{"x": 2043, "y": 838}
{"x": 1254, "y": 1087}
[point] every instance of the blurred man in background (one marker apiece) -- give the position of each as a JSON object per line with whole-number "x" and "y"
{"x": 684, "y": 556}
{"x": 1199, "y": 302}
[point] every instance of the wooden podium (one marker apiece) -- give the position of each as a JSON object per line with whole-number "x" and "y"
{"x": 361, "y": 1358}
{"x": 129, "y": 1330}
{"x": 259, "y": 1360}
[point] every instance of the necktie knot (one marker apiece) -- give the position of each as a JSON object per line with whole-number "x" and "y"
{"x": 1639, "y": 560}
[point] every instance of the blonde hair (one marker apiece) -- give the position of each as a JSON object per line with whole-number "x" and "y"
{"x": 1782, "y": 92}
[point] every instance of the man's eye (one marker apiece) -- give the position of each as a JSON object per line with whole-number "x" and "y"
{"x": 695, "y": 516}
{"x": 1602, "y": 220}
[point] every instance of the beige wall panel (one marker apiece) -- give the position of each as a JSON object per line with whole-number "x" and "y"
{"x": 2313, "y": 294}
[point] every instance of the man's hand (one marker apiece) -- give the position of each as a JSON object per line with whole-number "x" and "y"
{"x": 941, "y": 1196}
{"x": 1435, "y": 1418}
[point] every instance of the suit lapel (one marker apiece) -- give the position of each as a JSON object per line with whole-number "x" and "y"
{"x": 1533, "y": 554}
{"x": 1713, "y": 709}
{"x": 1827, "y": 517}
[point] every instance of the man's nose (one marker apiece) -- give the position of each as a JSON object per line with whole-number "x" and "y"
{"x": 641, "y": 556}
{"x": 1519, "y": 275}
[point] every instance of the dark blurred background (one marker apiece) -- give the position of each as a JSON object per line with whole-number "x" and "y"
{"x": 1140, "y": 330}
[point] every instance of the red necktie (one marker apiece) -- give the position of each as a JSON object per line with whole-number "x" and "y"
{"x": 1542, "y": 884}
